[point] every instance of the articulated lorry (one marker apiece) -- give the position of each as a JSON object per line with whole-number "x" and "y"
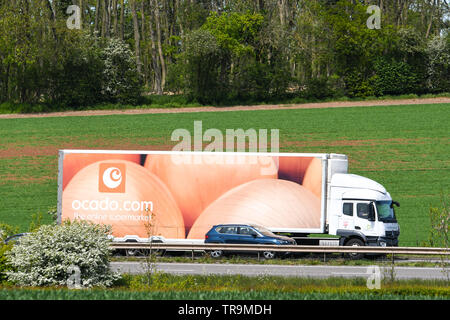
{"x": 175, "y": 196}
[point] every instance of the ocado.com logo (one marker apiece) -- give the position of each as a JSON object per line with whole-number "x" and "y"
{"x": 111, "y": 178}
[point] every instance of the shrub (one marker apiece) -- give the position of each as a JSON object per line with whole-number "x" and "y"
{"x": 438, "y": 66}
{"x": 5, "y": 232}
{"x": 440, "y": 225}
{"x": 318, "y": 89}
{"x": 394, "y": 78}
{"x": 4, "y": 265}
{"x": 358, "y": 86}
{"x": 121, "y": 81}
{"x": 49, "y": 255}
{"x": 74, "y": 80}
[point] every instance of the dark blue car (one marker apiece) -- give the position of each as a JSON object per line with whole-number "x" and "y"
{"x": 15, "y": 238}
{"x": 244, "y": 234}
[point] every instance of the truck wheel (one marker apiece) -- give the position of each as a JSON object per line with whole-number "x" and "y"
{"x": 354, "y": 243}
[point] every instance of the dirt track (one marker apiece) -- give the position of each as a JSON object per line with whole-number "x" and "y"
{"x": 319, "y": 105}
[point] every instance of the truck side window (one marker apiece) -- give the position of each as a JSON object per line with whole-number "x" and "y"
{"x": 348, "y": 209}
{"x": 362, "y": 210}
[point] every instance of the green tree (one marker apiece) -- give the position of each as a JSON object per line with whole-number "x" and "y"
{"x": 197, "y": 70}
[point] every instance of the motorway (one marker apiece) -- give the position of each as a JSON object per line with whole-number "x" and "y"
{"x": 315, "y": 271}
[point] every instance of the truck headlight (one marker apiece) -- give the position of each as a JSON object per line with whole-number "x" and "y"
{"x": 382, "y": 243}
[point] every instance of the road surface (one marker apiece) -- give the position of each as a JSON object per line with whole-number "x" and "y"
{"x": 317, "y": 271}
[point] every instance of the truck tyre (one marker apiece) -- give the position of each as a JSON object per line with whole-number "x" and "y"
{"x": 355, "y": 243}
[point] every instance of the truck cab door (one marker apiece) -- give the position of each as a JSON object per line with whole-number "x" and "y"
{"x": 362, "y": 221}
{"x": 347, "y": 219}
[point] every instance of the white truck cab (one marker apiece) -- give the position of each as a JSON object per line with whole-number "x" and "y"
{"x": 361, "y": 210}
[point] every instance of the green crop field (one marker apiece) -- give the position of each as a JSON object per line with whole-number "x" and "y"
{"x": 237, "y": 287}
{"x": 405, "y": 148}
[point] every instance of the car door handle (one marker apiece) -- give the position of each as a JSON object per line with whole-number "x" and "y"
{"x": 357, "y": 228}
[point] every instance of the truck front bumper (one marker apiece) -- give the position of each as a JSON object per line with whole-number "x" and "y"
{"x": 382, "y": 242}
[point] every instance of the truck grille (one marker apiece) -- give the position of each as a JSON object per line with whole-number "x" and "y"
{"x": 392, "y": 234}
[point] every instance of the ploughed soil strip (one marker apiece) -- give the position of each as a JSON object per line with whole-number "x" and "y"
{"x": 319, "y": 105}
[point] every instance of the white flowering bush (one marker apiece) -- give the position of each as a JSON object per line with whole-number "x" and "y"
{"x": 121, "y": 80}
{"x": 438, "y": 68}
{"x": 50, "y": 255}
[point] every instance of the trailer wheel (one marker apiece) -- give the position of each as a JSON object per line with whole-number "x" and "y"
{"x": 354, "y": 242}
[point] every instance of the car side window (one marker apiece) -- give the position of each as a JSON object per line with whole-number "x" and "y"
{"x": 347, "y": 209}
{"x": 227, "y": 230}
{"x": 244, "y": 231}
{"x": 362, "y": 210}
{"x": 247, "y": 231}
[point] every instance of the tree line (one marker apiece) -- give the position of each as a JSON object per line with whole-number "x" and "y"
{"x": 215, "y": 51}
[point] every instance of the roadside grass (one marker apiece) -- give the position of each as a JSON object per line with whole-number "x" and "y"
{"x": 405, "y": 148}
{"x": 238, "y": 287}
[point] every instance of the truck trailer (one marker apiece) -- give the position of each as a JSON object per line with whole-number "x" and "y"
{"x": 175, "y": 196}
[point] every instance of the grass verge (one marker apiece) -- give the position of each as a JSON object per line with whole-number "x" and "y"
{"x": 214, "y": 287}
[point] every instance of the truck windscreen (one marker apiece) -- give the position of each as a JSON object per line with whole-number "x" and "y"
{"x": 385, "y": 211}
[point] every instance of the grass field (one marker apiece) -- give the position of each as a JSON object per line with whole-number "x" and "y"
{"x": 405, "y": 148}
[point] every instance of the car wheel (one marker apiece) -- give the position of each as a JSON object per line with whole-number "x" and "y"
{"x": 216, "y": 253}
{"x": 269, "y": 254}
{"x": 355, "y": 243}
{"x": 132, "y": 252}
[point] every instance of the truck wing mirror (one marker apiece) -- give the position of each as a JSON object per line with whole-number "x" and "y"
{"x": 394, "y": 203}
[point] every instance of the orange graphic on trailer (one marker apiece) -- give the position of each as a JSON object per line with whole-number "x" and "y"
{"x": 111, "y": 178}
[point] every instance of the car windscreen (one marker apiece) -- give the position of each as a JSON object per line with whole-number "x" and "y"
{"x": 264, "y": 231}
